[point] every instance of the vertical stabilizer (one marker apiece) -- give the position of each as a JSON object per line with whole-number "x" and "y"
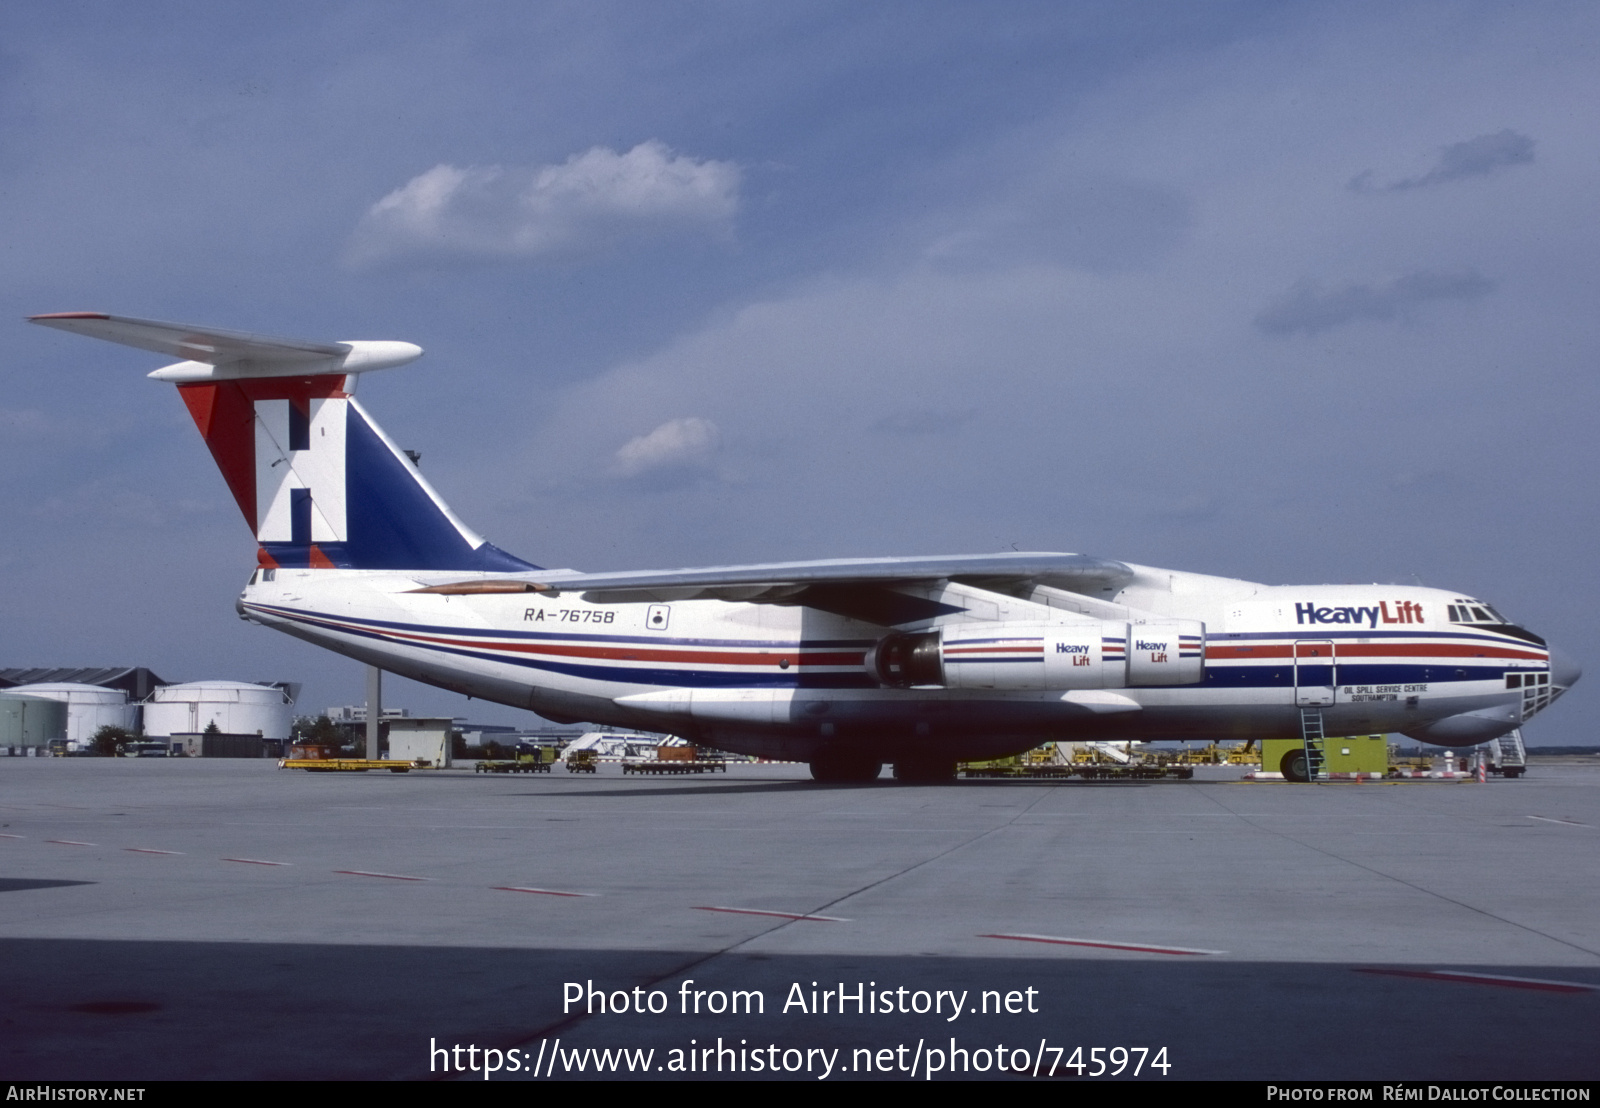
{"x": 317, "y": 480}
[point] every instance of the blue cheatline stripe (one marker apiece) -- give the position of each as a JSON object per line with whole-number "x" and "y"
{"x": 1282, "y": 676}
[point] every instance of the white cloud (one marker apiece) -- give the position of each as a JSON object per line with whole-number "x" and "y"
{"x": 678, "y": 445}
{"x": 584, "y": 206}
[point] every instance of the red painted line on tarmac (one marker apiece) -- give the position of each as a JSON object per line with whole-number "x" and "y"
{"x": 147, "y": 850}
{"x": 761, "y": 912}
{"x": 11, "y": 836}
{"x": 541, "y": 892}
{"x": 1538, "y": 984}
{"x": 257, "y": 862}
{"x": 1142, "y": 948}
{"x": 390, "y": 876}
{"x": 70, "y": 842}
{"x": 1568, "y": 822}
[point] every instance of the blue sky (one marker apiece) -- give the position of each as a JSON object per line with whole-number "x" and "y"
{"x": 1294, "y": 293}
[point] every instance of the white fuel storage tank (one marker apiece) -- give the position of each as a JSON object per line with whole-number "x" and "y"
{"x": 89, "y": 707}
{"x": 29, "y": 723}
{"x": 236, "y": 707}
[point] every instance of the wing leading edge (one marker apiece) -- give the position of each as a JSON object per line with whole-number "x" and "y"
{"x": 861, "y": 588}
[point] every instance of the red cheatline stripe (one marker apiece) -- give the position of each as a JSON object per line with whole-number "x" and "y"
{"x": 1142, "y": 948}
{"x": 146, "y": 850}
{"x": 257, "y": 862}
{"x": 1537, "y": 983}
{"x": 541, "y": 892}
{"x": 70, "y": 842}
{"x": 390, "y": 876}
{"x": 760, "y": 912}
{"x": 10, "y": 836}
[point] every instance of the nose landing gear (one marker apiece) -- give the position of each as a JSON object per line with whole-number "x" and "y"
{"x": 1293, "y": 766}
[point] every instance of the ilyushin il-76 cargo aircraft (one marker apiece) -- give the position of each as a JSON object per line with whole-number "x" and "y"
{"x": 922, "y": 662}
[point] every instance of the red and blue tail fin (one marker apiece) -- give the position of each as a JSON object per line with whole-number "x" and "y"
{"x": 318, "y": 481}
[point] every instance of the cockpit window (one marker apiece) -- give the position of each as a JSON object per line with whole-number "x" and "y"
{"x": 1475, "y": 613}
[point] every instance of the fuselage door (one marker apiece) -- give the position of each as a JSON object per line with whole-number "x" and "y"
{"x": 1313, "y": 673}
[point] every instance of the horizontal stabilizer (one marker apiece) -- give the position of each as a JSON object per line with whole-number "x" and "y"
{"x": 212, "y": 354}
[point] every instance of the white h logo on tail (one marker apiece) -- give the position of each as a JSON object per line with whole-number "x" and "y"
{"x": 300, "y": 474}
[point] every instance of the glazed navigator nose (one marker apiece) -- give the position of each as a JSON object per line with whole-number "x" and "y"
{"x": 1564, "y": 672}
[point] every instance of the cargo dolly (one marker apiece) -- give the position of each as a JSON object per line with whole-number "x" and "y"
{"x": 346, "y": 765}
{"x": 674, "y": 765}
{"x": 520, "y": 765}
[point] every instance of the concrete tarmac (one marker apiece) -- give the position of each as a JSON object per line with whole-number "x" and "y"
{"x": 229, "y": 920}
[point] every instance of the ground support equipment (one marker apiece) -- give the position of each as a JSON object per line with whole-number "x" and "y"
{"x": 346, "y": 765}
{"x": 1087, "y": 771}
{"x": 663, "y": 765}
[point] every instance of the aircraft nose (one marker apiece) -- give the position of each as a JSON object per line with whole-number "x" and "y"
{"x": 1564, "y": 672}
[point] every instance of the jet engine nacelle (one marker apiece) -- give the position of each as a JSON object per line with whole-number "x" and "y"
{"x": 1043, "y": 656}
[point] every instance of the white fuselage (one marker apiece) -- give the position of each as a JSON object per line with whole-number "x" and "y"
{"x": 785, "y": 680}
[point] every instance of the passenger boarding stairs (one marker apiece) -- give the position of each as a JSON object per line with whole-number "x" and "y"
{"x": 1511, "y": 758}
{"x": 1315, "y": 740}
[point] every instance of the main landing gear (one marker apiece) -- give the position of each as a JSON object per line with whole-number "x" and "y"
{"x": 834, "y": 767}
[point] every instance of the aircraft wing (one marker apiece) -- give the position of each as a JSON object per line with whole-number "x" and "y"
{"x": 861, "y": 588}
{"x": 1073, "y": 571}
